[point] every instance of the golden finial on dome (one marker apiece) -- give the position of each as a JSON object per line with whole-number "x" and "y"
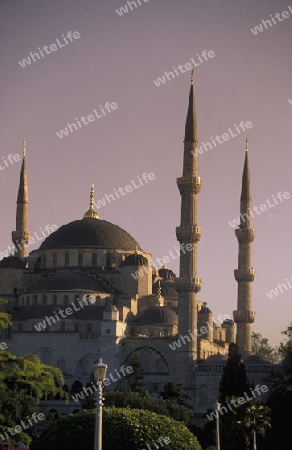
{"x": 23, "y": 148}
{"x": 246, "y": 144}
{"x": 91, "y": 214}
{"x": 193, "y": 76}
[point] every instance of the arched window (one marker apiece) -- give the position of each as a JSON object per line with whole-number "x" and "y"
{"x": 20, "y": 327}
{"x": 108, "y": 331}
{"x": 35, "y": 300}
{"x": 66, "y": 300}
{"x": 27, "y": 300}
{"x": 80, "y": 259}
{"x": 45, "y": 299}
{"x": 76, "y": 327}
{"x": 108, "y": 259}
{"x": 55, "y": 299}
{"x": 94, "y": 259}
{"x": 62, "y": 325}
{"x": 89, "y": 327}
{"x": 54, "y": 259}
{"x": 66, "y": 259}
{"x": 44, "y": 260}
{"x": 76, "y": 387}
{"x": 38, "y": 264}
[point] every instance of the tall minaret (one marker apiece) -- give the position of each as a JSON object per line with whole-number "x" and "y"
{"x": 244, "y": 275}
{"x": 21, "y": 235}
{"x": 188, "y": 234}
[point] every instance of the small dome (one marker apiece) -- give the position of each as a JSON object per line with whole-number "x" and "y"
{"x": 166, "y": 274}
{"x": 205, "y": 310}
{"x": 156, "y": 315}
{"x": 135, "y": 259}
{"x": 216, "y": 359}
{"x": 255, "y": 359}
{"x": 12, "y": 262}
{"x": 228, "y": 322}
{"x": 70, "y": 281}
{"x": 167, "y": 289}
{"x": 110, "y": 308}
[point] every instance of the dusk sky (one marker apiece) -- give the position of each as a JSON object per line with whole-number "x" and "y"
{"x": 116, "y": 59}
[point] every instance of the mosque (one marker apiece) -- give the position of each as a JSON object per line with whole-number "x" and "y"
{"x": 132, "y": 313}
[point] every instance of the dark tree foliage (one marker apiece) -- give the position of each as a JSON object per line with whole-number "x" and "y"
{"x": 127, "y": 429}
{"x": 234, "y": 380}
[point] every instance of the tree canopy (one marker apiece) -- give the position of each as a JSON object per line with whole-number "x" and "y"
{"x": 129, "y": 429}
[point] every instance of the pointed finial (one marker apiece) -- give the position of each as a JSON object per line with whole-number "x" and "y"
{"x": 23, "y": 148}
{"x": 246, "y": 145}
{"x": 91, "y": 214}
{"x": 159, "y": 289}
{"x": 193, "y": 76}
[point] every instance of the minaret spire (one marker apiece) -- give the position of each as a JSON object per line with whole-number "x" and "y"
{"x": 91, "y": 214}
{"x": 244, "y": 315}
{"x": 21, "y": 235}
{"x": 188, "y": 234}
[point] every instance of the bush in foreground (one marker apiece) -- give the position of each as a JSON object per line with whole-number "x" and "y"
{"x": 123, "y": 428}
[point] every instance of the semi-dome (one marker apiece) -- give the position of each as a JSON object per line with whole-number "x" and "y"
{"x": 90, "y": 232}
{"x": 157, "y": 315}
{"x": 70, "y": 281}
{"x": 166, "y": 274}
{"x": 167, "y": 289}
{"x": 12, "y": 262}
{"x": 135, "y": 259}
{"x": 205, "y": 310}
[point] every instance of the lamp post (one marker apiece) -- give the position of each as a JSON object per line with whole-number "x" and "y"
{"x": 99, "y": 371}
{"x": 216, "y": 408}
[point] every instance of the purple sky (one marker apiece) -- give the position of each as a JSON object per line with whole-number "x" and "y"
{"x": 116, "y": 60}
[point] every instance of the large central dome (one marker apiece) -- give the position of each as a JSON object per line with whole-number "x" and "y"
{"x": 90, "y": 232}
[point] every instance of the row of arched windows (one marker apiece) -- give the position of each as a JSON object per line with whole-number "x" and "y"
{"x": 57, "y": 257}
{"x": 53, "y": 300}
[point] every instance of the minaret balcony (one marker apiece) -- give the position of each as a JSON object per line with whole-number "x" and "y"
{"x": 188, "y": 284}
{"x": 18, "y": 236}
{"x": 188, "y": 233}
{"x": 244, "y": 274}
{"x": 245, "y": 234}
{"x": 243, "y": 316}
{"x": 189, "y": 185}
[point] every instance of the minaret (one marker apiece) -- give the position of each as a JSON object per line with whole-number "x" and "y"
{"x": 244, "y": 275}
{"x": 188, "y": 234}
{"x": 21, "y": 235}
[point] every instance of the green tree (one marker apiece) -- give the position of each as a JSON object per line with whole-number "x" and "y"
{"x": 234, "y": 380}
{"x": 23, "y": 382}
{"x": 141, "y": 400}
{"x": 129, "y": 429}
{"x": 173, "y": 391}
{"x": 256, "y": 421}
{"x": 261, "y": 347}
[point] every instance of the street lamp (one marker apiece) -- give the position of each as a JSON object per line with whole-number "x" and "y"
{"x": 216, "y": 408}
{"x": 99, "y": 371}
